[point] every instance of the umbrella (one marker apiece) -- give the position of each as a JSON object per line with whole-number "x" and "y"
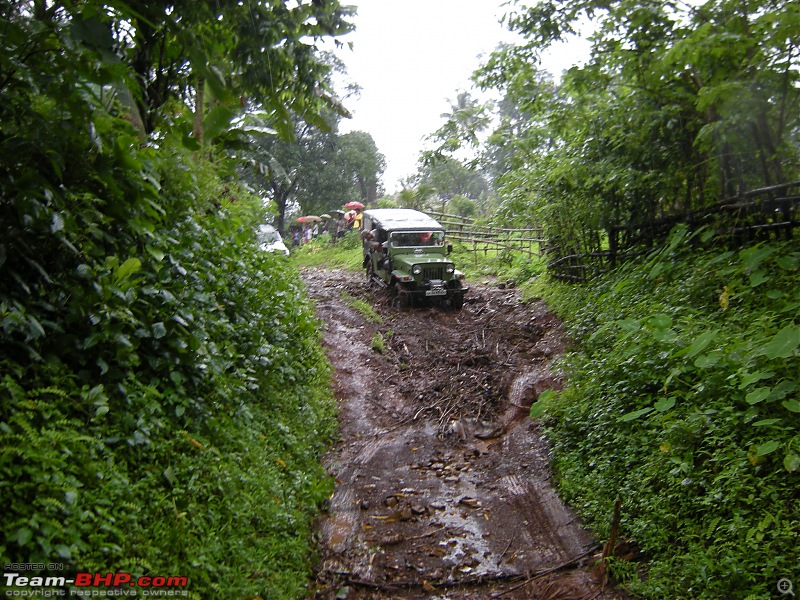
{"x": 326, "y": 216}
{"x": 355, "y": 205}
{"x": 309, "y": 219}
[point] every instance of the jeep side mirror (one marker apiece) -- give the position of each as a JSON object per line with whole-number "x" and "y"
{"x": 449, "y": 248}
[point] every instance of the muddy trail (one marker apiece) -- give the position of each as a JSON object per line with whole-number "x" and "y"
{"x": 442, "y": 481}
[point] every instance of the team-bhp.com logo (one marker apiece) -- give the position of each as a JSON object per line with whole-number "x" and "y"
{"x": 102, "y": 584}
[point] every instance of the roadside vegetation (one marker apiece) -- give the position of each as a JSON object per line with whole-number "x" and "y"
{"x": 164, "y": 397}
{"x": 682, "y": 403}
{"x": 164, "y": 407}
{"x": 321, "y": 251}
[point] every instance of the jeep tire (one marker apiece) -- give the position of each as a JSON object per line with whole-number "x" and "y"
{"x": 457, "y": 300}
{"x": 370, "y": 271}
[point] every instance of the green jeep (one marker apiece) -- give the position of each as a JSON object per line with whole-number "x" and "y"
{"x": 405, "y": 252}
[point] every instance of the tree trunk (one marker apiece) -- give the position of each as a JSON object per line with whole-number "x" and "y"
{"x": 199, "y": 100}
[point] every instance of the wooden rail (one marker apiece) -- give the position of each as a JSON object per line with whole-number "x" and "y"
{"x": 760, "y": 214}
{"x": 491, "y": 238}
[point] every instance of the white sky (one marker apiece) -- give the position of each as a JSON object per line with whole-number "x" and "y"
{"x": 410, "y": 57}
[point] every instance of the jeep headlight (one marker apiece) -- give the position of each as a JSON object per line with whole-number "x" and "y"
{"x": 416, "y": 269}
{"x": 449, "y": 268}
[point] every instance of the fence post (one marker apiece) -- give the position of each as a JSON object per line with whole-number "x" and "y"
{"x": 612, "y": 246}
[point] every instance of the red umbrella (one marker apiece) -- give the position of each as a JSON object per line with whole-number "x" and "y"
{"x": 354, "y": 205}
{"x": 309, "y": 219}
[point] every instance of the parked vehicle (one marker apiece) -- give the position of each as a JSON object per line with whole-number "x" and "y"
{"x": 270, "y": 240}
{"x": 405, "y": 252}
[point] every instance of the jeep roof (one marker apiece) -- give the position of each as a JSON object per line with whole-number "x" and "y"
{"x": 392, "y": 219}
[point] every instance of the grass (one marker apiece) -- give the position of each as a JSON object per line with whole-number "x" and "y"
{"x": 322, "y": 252}
{"x": 365, "y": 308}
{"x": 512, "y": 266}
{"x": 380, "y": 339}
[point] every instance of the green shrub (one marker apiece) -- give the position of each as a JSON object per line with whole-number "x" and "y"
{"x": 683, "y": 402}
{"x": 164, "y": 395}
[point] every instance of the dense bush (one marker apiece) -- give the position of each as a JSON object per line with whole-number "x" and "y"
{"x": 683, "y": 403}
{"x": 164, "y": 396}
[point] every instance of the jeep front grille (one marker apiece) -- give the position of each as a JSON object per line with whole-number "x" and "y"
{"x": 432, "y": 272}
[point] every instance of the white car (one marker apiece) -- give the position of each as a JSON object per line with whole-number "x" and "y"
{"x": 270, "y": 240}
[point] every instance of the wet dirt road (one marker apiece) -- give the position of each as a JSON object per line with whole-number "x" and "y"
{"x": 442, "y": 481}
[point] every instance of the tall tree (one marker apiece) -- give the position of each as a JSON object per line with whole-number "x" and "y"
{"x": 251, "y": 52}
{"x": 361, "y": 159}
{"x": 678, "y": 107}
{"x": 315, "y": 172}
{"x": 467, "y": 118}
{"x": 451, "y": 178}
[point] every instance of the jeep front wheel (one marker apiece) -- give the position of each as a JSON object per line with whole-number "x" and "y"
{"x": 399, "y": 296}
{"x": 370, "y": 272}
{"x": 457, "y": 300}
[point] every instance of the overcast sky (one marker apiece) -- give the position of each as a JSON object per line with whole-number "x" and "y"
{"x": 410, "y": 57}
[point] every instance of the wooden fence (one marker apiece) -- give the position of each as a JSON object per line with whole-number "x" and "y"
{"x": 489, "y": 238}
{"x": 761, "y": 214}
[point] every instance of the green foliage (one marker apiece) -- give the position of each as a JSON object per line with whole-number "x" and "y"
{"x": 683, "y": 402}
{"x": 345, "y": 253}
{"x": 365, "y": 308}
{"x": 457, "y": 187}
{"x": 677, "y": 108}
{"x": 462, "y": 206}
{"x": 466, "y": 119}
{"x": 504, "y": 266}
{"x": 171, "y": 419}
{"x": 164, "y": 396}
{"x": 379, "y": 341}
{"x": 318, "y": 171}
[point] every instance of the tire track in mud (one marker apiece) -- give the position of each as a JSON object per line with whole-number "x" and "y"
{"x": 442, "y": 481}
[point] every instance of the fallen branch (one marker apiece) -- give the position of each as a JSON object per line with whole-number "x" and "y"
{"x": 424, "y": 535}
{"x": 570, "y": 563}
{"x": 504, "y": 551}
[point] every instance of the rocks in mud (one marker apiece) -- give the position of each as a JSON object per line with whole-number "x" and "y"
{"x": 470, "y": 502}
{"x": 391, "y": 540}
{"x": 466, "y": 428}
{"x": 404, "y": 506}
{"x": 343, "y": 593}
{"x": 488, "y": 431}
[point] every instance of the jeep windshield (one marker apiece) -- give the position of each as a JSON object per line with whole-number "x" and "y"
{"x": 417, "y": 239}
